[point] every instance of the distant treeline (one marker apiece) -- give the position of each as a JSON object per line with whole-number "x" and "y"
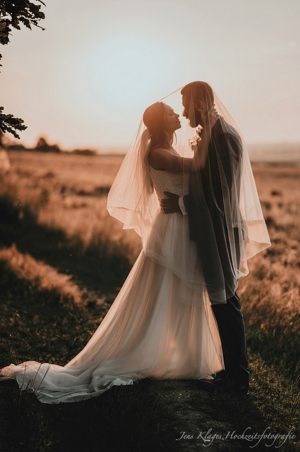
{"x": 43, "y": 146}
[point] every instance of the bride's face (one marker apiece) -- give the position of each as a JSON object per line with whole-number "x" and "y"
{"x": 171, "y": 119}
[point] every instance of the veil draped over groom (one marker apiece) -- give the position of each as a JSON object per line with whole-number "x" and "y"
{"x": 225, "y": 216}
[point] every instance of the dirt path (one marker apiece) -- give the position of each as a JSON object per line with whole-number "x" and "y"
{"x": 189, "y": 415}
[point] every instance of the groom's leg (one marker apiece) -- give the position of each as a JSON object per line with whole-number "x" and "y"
{"x": 232, "y": 332}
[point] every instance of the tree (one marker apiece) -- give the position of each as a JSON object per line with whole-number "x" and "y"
{"x": 43, "y": 146}
{"x": 12, "y": 15}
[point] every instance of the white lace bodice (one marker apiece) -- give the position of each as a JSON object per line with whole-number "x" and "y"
{"x": 177, "y": 183}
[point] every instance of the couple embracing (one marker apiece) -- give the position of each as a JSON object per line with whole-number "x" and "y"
{"x": 196, "y": 208}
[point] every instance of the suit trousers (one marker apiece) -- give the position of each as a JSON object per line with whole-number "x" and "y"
{"x": 232, "y": 332}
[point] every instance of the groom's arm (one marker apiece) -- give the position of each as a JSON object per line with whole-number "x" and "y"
{"x": 230, "y": 156}
{"x": 188, "y": 203}
{"x": 182, "y": 205}
{"x": 174, "y": 203}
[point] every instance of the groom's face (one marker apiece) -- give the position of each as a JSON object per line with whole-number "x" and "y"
{"x": 186, "y": 105}
{"x": 194, "y": 113}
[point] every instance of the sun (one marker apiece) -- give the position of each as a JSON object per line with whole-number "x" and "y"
{"x": 121, "y": 75}
{"x": 128, "y": 68}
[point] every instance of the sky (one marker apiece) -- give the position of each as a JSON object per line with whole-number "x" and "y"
{"x": 85, "y": 81}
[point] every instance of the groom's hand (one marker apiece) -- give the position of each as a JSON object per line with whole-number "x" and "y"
{"x": 170, "y": 204}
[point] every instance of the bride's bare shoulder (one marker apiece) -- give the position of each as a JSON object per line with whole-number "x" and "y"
{"x": 158, "y": 151}
{"x": 159, "y": 157}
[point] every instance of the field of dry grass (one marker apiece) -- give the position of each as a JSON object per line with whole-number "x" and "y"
{"x": 58, "y": 241}
{"x": 68, "y": 192}
{"x": 273, "y": 285}
{"x": 66, "y": 195}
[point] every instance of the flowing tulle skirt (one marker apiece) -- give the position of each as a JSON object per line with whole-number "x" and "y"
{"x": 147, "y": 332}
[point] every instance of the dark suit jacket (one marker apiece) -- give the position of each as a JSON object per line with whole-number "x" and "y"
{"x": 207, "y": 222}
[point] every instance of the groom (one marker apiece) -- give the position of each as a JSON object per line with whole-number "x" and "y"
{"x": 198, "y": 103}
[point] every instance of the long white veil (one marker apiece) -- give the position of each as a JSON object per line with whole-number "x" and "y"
{"x": 225, "y": 216}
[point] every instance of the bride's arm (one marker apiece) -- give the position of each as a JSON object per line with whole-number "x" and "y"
{"x": 161, "y": 159}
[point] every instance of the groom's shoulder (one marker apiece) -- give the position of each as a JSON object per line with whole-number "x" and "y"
{"x": 227, "y": 135}
{"x": 222, "y": 127}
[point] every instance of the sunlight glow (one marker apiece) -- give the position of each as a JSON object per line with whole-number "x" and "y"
{"x": 85, "y": 81}
{"x": 125, "y": 69}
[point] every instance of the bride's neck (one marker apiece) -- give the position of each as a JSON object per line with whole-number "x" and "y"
{"x": 169, "y": 136}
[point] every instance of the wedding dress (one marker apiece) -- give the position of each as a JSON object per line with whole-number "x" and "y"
{"x": 153, "y": 329}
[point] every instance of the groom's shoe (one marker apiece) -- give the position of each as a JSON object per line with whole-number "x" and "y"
{"x": 236, "y": 387}
{"x": 224, "y": 383}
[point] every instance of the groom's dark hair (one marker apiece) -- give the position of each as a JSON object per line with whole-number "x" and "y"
{"x": 199, "y": 90}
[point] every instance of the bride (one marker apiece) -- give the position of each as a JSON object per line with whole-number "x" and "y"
{"x": 161, "y": 324}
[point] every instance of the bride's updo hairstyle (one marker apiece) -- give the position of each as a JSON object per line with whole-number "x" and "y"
{"x": 153, "y": 119}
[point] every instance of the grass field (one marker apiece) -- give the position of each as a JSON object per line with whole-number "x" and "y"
{"x": 63, "y": 259}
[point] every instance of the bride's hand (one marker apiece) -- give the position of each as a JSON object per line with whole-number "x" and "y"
{"x": 214, "y": 113}
{"x": 201, "y": 148}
